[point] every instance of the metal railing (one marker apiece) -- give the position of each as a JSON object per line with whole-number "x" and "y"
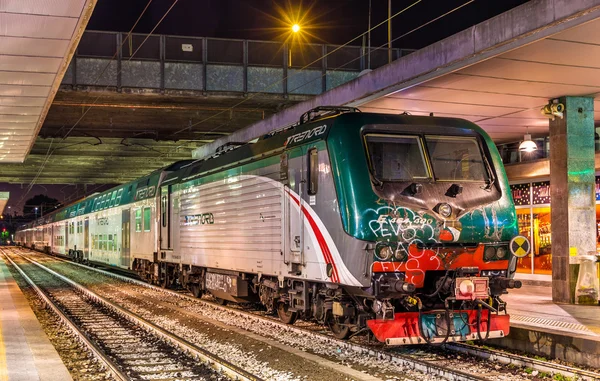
{"x": 212, "y": 64}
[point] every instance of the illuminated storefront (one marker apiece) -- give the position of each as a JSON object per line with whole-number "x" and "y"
{"x": 532, "y": 202}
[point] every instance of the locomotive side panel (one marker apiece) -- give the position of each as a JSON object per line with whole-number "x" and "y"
{"x": 232, "y": 221}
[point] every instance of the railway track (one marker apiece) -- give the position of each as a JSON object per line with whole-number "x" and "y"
{"x": 389, "y": 354}
{"x": 523, "y": 361}
{"x": 130, "y": 347}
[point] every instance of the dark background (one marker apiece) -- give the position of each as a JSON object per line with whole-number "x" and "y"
{"x": 332, "y": 21}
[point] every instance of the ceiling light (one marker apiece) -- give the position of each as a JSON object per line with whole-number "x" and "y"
{"x": 527, "y": 145}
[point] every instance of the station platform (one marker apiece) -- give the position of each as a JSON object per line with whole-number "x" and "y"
{"x": 562, "y": 331}
{"x": 26, "y": 354}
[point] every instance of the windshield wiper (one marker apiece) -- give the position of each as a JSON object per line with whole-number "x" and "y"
{"x": 378, "y": 183}
{"x": 492, "y": 180}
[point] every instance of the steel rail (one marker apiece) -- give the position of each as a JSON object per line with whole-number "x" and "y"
{"x": 423, "y": 366}
{"x": 488, "y": 354}
{"x": 113, "y": 368}
{"x": 511, "y": 358}
{"x": 216, "y": 363}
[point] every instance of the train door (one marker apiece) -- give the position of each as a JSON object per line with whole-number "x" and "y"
{"x": 66, "y": 237}
{"x": 165, "y": 218}
{"x": 51, "y": 242}
{"x": 86, "y": 238}
{"x": 294, "y": 220}
{"x": 125, "y": 237}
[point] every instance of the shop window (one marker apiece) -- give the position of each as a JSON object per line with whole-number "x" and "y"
{"x": 524, "y": 221}
{"x": 541, "y": 245}
{"x": 147, "y": 219}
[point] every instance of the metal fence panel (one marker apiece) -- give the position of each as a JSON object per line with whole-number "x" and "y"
{"x": 225, "y": 51}
{"x": 265, "y": 54}
{"x": 345, "y": 58}
{"x": 97, "y": 44}
{"x": 379, "y": 57}
{"x": 183, "y": 49}
{"x": 265, "y": 80}
{"x": 89, "y": 69}
{"x": 149, "y": 50}
{"x": 336, "y": 78}
{"x": 306, "y": 54}
{"x": 144, "y": 74}
{"x": 224, "y": 78}
{"x": 307, "y": 82}
{"x": 183, "y": 76}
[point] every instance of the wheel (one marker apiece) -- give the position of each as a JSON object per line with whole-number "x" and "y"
{"x": 196, "y": 290}
{"x": 285, "y": 315}
{"x": 164, "y": 281}
{"x": 220, "y": 301}
{"x": 340, "y": 330}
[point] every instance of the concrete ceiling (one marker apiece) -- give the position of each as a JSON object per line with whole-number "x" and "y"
{"x": 37, "y": 40}
{"x": 504, "y": 94}
{"x": 92, "y": 160}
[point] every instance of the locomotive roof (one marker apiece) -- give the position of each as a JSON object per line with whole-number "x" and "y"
{"x": 285, "y": 138}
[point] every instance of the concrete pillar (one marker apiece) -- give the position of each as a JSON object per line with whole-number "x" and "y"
{"x": 572, "y": 193}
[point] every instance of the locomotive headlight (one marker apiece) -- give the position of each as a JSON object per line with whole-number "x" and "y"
{"x": 445, "y": 210}
{"x": 501, "y": 253}
{"x": 400, "y": 255}
{"x": 385, "y": 253}
{"x": 489, "y": 253}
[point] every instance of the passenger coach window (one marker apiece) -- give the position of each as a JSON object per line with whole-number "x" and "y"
{"x": 456, "y": 158}
{"x": 147, "y": 218}
{"x": 138, "y": 220}
{"x": 396, "y": 157}
{"x": 313, "y": 171}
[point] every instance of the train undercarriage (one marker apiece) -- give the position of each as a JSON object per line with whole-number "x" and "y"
{"x": 456, "y": 305}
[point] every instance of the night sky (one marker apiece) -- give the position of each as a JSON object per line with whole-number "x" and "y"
{"x": 335, "y": 21}
{"x": 325, "y": 21}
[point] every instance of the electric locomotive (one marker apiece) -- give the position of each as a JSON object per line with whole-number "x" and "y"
{"x": 402, "y": 226}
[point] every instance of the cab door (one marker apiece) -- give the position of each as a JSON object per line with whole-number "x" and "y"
{"x": 294, "y": 219}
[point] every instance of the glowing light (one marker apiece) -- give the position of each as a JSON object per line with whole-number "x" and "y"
{"x": 527, "y": 145}
{"x": 295, "y": 28}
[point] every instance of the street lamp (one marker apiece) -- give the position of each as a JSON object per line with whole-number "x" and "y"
{"x": 295, "y": 30}
{"x": 36, "y": 212}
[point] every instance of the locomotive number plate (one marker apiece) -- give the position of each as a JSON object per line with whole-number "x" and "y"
{"x": 229, "y": 284}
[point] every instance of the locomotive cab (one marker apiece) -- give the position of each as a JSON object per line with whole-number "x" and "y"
{"x": 434, "y": 206}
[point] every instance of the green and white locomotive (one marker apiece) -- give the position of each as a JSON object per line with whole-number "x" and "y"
{"x": 399, "y": 225}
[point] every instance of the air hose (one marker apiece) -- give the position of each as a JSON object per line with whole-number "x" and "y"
{"x": 489, "y": 323}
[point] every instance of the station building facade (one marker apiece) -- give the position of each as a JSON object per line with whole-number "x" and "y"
{"x": 532, "y": 202}
{"x": 529, "y": 178}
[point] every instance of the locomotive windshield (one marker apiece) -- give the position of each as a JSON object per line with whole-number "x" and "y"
{"x": 402, "y": 158}
{"x": 396, "y": 157}
{"x": 456, "y": 158}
